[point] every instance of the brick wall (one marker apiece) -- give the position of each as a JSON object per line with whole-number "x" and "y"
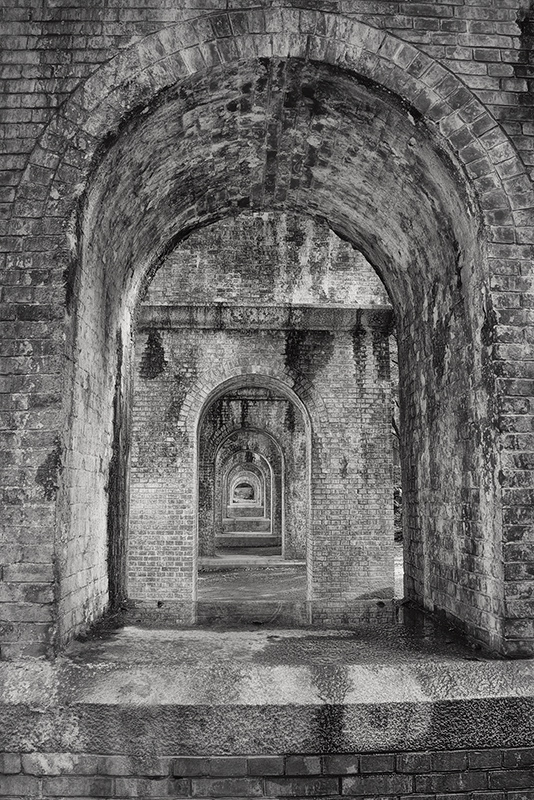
{"x": 76, "y": 195}
{"x": 266, "y": 258}
{"x": 495, "y": 774}
{"x": 349, "y": 561}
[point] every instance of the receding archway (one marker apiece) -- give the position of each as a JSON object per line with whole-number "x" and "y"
{"x": 247, "y": 489}
{"x": 380, "y": 150}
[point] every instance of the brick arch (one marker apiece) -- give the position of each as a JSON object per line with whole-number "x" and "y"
{"x": 134, "y": 77}
{"x": 269, "y": 379}
{"x": 128, "y": 84}
{"x": 229, "y": 461}
{"x": 208, "y": 454}
{"x": 284, "y": 480}
{"x": 204, "y": 392}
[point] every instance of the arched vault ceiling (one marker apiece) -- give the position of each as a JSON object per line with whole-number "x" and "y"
{"x": 282, "y": 134}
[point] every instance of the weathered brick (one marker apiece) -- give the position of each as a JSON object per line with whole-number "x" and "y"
{"x": 414, "y": 762}
{"x": 341, "y": 764}
{"x": 10, "y": 763}
{"x": 30, "y": 573}
{"x": 368, "y": 785}
{"x": 227, "y": 765}
{"x": 58, "y": 764}
{"x": 510, "y": 779}
{"x": 265, "y": 765}
{"x": 301, "y": 787}
{"x": 518, "y": 757}
{"x": 303, "y": 765}
{"x": 226, "y": 787}
{"x": 446, "y": 761}
{"x": 18, "y": 786}
{"x": 153, "y": 787}
{"x": 75, "y": 786}
{"x": 379, "y": 762}
{"x": 452, "y": 782}
{"x": 485, "y": 759}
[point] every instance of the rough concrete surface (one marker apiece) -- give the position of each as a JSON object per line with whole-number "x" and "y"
{"x": 413, "y": 684}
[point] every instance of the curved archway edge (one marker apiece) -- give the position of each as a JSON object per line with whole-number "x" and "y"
{"x": 131, "y": 79}
{"x": 135, "y": 76}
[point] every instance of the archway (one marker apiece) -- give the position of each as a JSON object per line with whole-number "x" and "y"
{"x": 247, "y": 492}
{"x": 429, "y": 286}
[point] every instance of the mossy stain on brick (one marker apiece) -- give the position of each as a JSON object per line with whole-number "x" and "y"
{"x": 525, "y": 57}
{"x": 183, "y": 378}
{"x": 293, "y": 349}
{"x": 244, "y": 412}
{"x": 153, "y": 361}
{"x": 307, "y": 352}
{"x": 358, "y": 347}
{"x": 487, "y": 331}
{"x": 289, "y": 418}
{"x": 49, "y": 471}
{"x": 381, "y": 354}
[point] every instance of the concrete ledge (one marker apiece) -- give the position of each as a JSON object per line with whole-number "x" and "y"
{"x": 270, "y": 691}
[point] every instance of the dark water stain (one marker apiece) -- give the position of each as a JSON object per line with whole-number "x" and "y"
{"x": 153, "y": 361}
{"x": 49, "y": 471}
{"x": 117, "y": 489}
{"x": 524, "y": 66}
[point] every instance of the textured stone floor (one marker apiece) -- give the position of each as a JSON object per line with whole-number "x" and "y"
{"x": 414, "y": 684}
{"x": 246, "y": 574}
{"x": 253, "y": 583}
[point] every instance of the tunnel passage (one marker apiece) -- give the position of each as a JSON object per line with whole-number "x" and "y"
{"x": 272, "y": 436}
{"x": 314, "y": 139}
{"x": 246, "y": 501}
{"x": 258, "y": 427}
{"x": 254, "y": 507}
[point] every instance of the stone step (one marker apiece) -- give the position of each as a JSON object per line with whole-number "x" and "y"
{"x": 245, "y": 562}
{"x": 246, "y": 524}
{"x": 244, "y": 511}
{"x": 249, "y": 612}
{"x": 247, "y": 539}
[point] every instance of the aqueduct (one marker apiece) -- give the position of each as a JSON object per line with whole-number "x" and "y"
{"x": 335, "y": 116}
{"x": 167, "y": 170}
